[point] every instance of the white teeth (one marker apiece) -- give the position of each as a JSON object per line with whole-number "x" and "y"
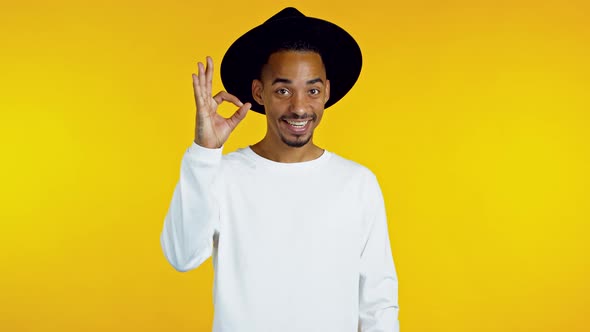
{"x": 297, "y": 123}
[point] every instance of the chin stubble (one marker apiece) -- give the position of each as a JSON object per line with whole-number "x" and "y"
{"x": 296, "y": 144}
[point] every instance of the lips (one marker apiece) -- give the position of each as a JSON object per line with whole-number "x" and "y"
{"x": 297, "y": 126}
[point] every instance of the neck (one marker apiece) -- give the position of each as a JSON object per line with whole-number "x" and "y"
{"x": 282, "y": 153}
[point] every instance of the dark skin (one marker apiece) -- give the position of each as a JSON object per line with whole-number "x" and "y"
{"x": 211, "y": 129}
{"x": 293, "y": 89}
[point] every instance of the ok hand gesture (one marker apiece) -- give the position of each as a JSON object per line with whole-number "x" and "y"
{"x": 212, "y": 129}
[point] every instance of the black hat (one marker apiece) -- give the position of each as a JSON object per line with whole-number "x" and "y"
{"x": 244, "y": 58}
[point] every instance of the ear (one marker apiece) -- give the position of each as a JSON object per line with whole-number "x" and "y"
{"x": 327, "y": 90}
{"x": 257, "y": 91}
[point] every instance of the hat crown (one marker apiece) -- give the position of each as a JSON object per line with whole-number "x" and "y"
{"x": 289, "y": 12}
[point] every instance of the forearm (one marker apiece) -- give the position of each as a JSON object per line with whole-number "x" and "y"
{"x": 193, "y": 215}
{"x": 379, "y": 307}
{"x": 379, "y": 310}
{"x": 378, "y": 282}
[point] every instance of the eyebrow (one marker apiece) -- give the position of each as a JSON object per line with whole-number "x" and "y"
{"x": 287, "y": 81}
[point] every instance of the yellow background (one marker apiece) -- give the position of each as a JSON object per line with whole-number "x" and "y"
{"x": 473, "y": 114}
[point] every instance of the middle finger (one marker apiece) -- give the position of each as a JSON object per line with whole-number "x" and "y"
{"x": 209, "y": 75}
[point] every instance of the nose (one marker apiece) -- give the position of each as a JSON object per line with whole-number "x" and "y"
{"x": 298, "y": 104}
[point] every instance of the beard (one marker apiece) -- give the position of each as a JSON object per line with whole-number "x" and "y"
{"x": 298, "y": 142}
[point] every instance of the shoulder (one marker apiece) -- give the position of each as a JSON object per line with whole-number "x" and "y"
{"x": 238, "y": 158}
{"x": 350, "y": 167}
{"x": 357, "y": 180}
{"x": 359, "y": 177}
{"x": 239, "y": 154}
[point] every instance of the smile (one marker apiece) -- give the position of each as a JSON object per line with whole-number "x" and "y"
{"x": 297, "y": 124}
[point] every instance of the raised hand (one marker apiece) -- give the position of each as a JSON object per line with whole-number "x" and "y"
{"x": 212, "y": 129}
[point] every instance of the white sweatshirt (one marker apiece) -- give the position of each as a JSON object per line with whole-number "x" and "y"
{"x": 297, "y": 247}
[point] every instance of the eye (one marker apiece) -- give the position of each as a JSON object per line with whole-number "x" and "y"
{"x": 314, "y": 91}
{"x": 282, "y": 91}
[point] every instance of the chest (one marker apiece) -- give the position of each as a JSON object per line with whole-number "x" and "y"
{"x": 306, "y": 220}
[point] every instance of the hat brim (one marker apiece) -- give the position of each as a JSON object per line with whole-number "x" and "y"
{"x": 340, "y": 53}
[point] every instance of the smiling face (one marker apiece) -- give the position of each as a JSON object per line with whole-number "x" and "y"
{"x": 293, "y": 90}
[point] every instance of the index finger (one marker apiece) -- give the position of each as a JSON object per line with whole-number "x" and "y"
{"x": 226, "y": 96}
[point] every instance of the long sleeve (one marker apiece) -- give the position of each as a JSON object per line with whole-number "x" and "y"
{"x": 378, "y": 285}
{"x": 193, "y": 216}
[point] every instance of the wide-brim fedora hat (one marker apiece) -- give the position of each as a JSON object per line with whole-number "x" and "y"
{"x": 339, "y": 51}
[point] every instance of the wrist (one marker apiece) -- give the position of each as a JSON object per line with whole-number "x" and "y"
{"x": 206, "y": 144}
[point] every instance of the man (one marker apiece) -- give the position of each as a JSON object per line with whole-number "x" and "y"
{"x": 298, "y": 234}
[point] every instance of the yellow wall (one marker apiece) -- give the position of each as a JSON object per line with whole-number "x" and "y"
{"x": 473, "y": 114}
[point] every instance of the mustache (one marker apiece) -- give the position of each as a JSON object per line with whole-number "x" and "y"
{"x": 300, "y": 117}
